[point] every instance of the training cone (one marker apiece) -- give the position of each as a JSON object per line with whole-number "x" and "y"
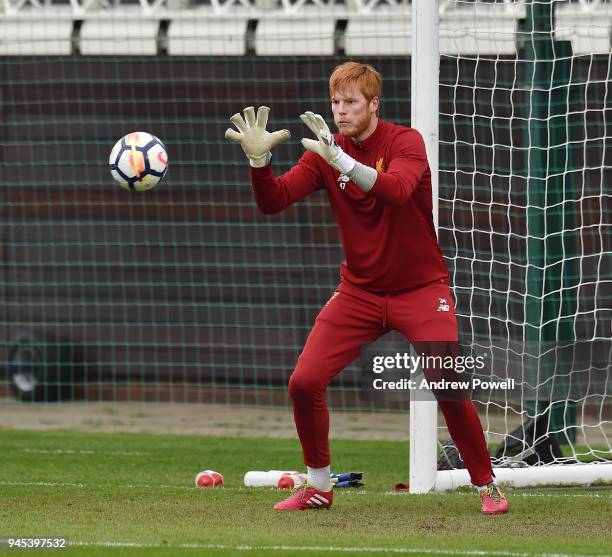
{"x": 289, "y": 481}
{"x": 208, "y": 478}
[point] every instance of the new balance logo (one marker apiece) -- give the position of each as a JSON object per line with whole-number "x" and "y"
{"x": 342, "y": 180}
{"x": 317, "y": 501}
{"x": 443, "y": 305}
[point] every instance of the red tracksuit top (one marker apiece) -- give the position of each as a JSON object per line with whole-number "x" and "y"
{"x": 388, "y": 234}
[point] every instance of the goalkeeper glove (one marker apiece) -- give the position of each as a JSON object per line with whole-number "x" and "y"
{"x": 325, "y": 146}
{"x": 253, "y": 137}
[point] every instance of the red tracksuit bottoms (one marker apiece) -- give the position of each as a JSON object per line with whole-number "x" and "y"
{"x": 354, "y": 317}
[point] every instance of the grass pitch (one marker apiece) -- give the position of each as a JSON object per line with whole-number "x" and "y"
{"x": 133, "y": 494}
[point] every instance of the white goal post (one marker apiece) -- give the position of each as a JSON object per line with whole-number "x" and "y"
{"x": 511, "y": 97}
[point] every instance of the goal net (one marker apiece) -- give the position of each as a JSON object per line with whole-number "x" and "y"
{"x": 525, "y": 174}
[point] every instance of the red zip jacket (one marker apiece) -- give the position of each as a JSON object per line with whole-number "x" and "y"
{"x": 388, "y": 233}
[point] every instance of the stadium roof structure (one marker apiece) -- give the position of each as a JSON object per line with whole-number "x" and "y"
{"x": 282, "y": 27}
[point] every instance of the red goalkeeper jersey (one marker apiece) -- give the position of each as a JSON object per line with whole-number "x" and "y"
{"x": 388, "y": 234}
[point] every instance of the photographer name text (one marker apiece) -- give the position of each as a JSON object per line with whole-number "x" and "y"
{"x": 406, "y": 384}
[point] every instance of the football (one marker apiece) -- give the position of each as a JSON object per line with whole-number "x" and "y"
{"x": 138, "y": 161}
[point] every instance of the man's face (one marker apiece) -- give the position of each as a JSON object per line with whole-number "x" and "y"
{"x": 354, "y": 115}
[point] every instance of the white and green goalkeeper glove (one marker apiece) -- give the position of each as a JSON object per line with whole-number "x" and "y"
{"x": 326, "y": 147}
{"x": 256, "y": 142}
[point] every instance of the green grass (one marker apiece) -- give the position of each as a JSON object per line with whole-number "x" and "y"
{"x": 101, "y": 489}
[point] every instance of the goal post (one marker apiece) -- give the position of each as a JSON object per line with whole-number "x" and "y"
{"x": 424, "y": 115}
{"x": 521, "y": 180}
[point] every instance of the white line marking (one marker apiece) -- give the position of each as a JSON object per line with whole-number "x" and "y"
{"x": 345, "y": 492}
{"x": 83, "y": 452}
{"x": 90, "y": 486}
{"x": 514, "y": 494}
{"x": 572, "y": 495}
{"x": 332, "y": 549}
{"x": 43, "y": 484}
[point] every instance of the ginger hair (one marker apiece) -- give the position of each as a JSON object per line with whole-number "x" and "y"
{"x": 364, "y": 76}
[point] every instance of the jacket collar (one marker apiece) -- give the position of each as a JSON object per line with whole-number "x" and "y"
{"x": 372, "y": 140}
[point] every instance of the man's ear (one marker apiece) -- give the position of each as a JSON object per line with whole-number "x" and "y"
{"x": 375, "y": 105}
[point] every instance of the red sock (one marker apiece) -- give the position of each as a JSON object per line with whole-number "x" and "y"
{"x": 466, "y": 430}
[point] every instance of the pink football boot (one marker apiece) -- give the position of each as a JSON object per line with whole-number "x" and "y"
{"x": 493, "y": 500}
{"x": 306, "y": 497}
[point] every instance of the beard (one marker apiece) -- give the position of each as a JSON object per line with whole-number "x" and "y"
{"x": 356, "y": 127}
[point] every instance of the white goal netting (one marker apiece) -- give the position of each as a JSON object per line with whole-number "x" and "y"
{"x": 525, "y": 203}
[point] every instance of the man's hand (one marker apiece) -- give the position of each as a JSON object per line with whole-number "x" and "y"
{"x": 253, "y": 137}
{"x": 325, "y": 146}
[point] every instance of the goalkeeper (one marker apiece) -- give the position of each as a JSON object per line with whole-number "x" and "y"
{"x": 378, "y": 182}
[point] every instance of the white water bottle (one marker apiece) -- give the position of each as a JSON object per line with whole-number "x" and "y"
{"x": 256, "y": 478}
